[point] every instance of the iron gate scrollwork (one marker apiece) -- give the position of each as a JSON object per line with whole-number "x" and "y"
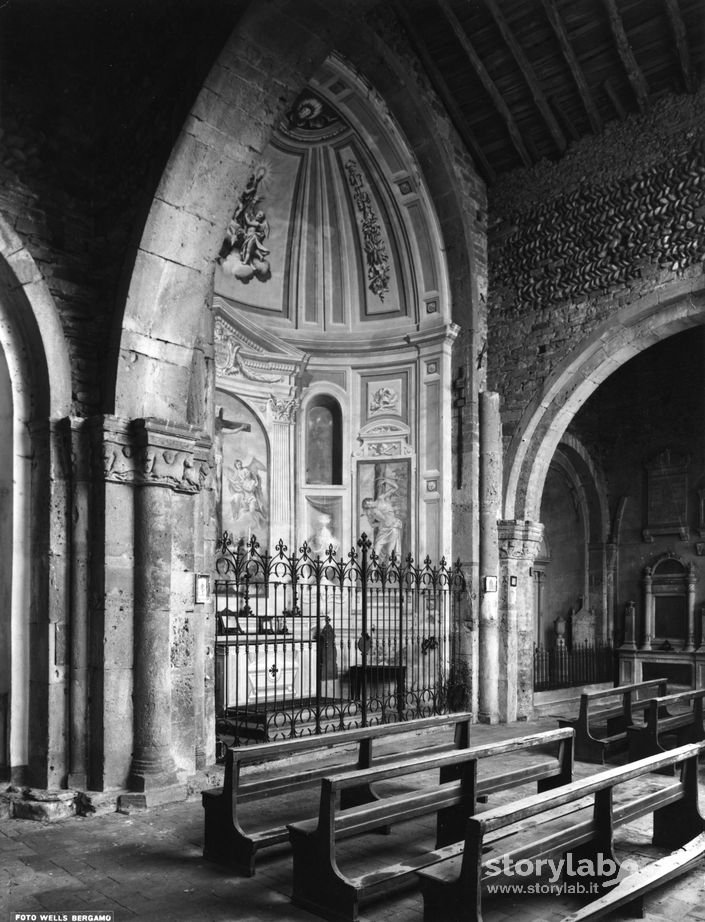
{"x": 308, "y": 644}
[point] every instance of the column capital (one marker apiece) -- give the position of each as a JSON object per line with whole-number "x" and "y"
{"x": 519, "y": 539}
{"x": 154, "y": 452}
{"x": 282, "y": 409}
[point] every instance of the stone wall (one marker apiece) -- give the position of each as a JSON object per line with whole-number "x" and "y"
{"x": 622, "y": 215}
{"x": 91, "y": 107}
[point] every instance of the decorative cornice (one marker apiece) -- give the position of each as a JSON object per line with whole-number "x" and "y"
{"x": 384, "y": 439}
{"x": 249, "y": 354}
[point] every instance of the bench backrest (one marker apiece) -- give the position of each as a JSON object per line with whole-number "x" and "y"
{"x": 445, "y": 759}
{"x": 506, "y": 814}
{"x": 628, "y": 694}
{"x": 266, "y": 752}
{"x": 623, "y": 689}
{"x": 456, "y": 795}
{"x": 236, "y": 757}
{"x": 656, "y": 705}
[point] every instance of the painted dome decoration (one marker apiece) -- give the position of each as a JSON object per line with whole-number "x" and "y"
{"x": 312, "y": 116}
{"x": 333, "y": 230}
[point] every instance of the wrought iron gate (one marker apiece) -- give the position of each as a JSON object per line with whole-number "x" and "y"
{"x": 308, "y": 644}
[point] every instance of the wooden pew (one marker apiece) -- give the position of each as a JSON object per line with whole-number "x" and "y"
{"x": 320, "y": 885}
{"x": 226, "y": 842}
{"x": 590, "y": 747}
{"x": 630, "y": 890}
{"x": 579, "y": 820}
{"x": 645, "y": 740}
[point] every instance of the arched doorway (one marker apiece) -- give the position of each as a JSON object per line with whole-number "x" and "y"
{"x": 553, "y": 414}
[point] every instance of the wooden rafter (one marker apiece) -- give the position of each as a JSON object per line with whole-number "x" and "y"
{"x": 446, "y": 97}
{"x": 614, "y": 99}
{"x": 679, "y": 34}
{"x": 573, "y": 63}
{"x": 527, "y": 70}
{"x": 567, "y": 123}
{"x": 634, "y": 72}
{"x": 487, "y": 82}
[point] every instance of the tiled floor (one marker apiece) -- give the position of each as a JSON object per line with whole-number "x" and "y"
{"x": 148, "y": 866}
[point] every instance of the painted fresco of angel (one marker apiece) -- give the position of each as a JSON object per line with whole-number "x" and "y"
{"x": 243, "y": 253}
{"x": 256, "y": 231}
{"x": 247, "y": 499}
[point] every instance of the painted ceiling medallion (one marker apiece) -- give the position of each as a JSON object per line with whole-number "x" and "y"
{"x": 243, "y": 253}
{"x": 312, "y": 118}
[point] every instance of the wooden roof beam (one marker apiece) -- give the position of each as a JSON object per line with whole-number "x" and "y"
{"x": 634, "y": 73}
{"x": 679, "y": 34}
{"x": 614, "y": 99}
{"x": 487, "y": 82}
{"x": 446, "y": 97}
{"x": 527, "y": 70}
{"x": 573, "y": 64}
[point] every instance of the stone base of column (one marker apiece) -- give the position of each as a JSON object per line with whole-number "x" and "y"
{"x": 490, "y": 719}
{"x": 78, "y": 781}
{"x": 152, "y": 797}
{"x": 152, "y": 773}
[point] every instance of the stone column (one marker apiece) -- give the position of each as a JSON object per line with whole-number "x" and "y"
{"x": 611, "y": 581}
{"x": 519, "y": 546}
{"x": 152, "y": 763}
{"x": 691, "y": 579}
{"x": 490, "y": 498}
{"x": 281, "y": 416}
{"x": 161, "y": 460}
{"x": 648, "y": 610}
{"x": 629, "y": 627}
{"x": 81, "y": 541}
{"x": 596, "y": 599}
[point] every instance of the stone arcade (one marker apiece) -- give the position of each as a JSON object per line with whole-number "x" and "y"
{"x": 281, "y": 270}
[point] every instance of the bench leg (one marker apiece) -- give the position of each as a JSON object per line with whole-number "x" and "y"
{"x": 643, "y": 744}
{"x": 318, "y": 885}
{"x": 600, "y": 849}
{"x": 440, "y": 906}
{"x": 589, "y": 749}
{"x": 681, "y": 821}
{"x": 223, "y": 842}
{"x": 635, "y": 909}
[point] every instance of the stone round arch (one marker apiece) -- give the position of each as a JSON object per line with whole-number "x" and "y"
{"x": 164, "y": 365}
{"x": 31, "y": 334}
{"x": 35, "y": 388}
{"x": 649, "y": 320}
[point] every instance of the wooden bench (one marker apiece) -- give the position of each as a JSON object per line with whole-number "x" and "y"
{"x": 630, "y": 890}
{"x": 576, "y": 820}
{"x": 226, "y": 842}
{"x": 613, "y": 718}
{"x": 645, "y": 739}
{"x": 319, "y": 884}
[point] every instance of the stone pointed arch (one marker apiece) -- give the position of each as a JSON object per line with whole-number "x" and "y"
{"x": 164, "y": 358}
{"x": 656, "y": 316}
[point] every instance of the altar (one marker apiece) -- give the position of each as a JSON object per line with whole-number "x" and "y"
{"x": 260, "y": 669}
